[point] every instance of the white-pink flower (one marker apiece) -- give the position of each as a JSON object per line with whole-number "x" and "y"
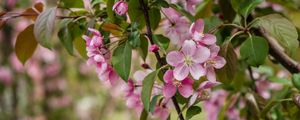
{"x": 120, "y": 7}
{"x": 214, "y": 62}
{"x": 185, "y": 87}
{"x": 188, "y": 60}
{"x": 197, "y": 34}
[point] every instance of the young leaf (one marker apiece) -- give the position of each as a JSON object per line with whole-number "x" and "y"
{"x": 44, "y": 27}
{"x": 121, "y": 60}
{"x": 254, "y": 50}
{"x": 25, "y": 44}
{"x": 296, "y": 80}
{"x": 161, "y": 41}
{"x": 282, "y": 30}
{"x": 148, "y": 83}
{"x": 192, "y": 111}
{"x": 38, "y": 7}
{"x": 245, "y": 7}
{"x": 71, "y": 4}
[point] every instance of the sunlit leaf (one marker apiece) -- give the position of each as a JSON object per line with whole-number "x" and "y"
{"x": 245, "y": 7}
{"x": 148, "y": 83}
{"x": 121, "y": 60}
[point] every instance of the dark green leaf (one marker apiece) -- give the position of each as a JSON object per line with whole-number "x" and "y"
{"x": 227, "y": 10}
{"x": 282, "y": 30}
{"x": 296, "y": 80}
{"x": 109, "y": 10}
{"x": 153, "y": 103}
{"x": 121, "y": 60}
{"x": 228, "y": 72}
{"x": 44, "y": 27}
{"x": 134, "y": 39}
{"x": 79, "y": 44}
{"x": 71, "y": 4}
{"x": 245, "y": 7}
{"x": 160, "y": 3}
{"x": 144, "y": 115}
{"x": 192, "y": 111}
{"x": 161, "y": 41}
{"x": 254, "y": 50}
{"x": 148, "y": 83}
{"x": 143, "y": 49}
{"x": 154, "y": 15}
{"x": 65, "y": 36}
{"x": 135, "y": 13}
{"x": 25, "y": 44}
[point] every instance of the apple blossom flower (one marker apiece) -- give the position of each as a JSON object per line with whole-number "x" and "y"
{"x": 153, "y": 48}
{"x": 214, "y": 62}
{"x": 161, "y": 111}
{"x": 190, "y": 5}
{"x": 197, "y": 33}
{"x": 188, "y": 60}
{"x": 203, "y": 92}
{"x": 6, "y": 76}
{"x": 120, "y": 7}
{"x": 175, "y": 26}
{"x": 185, "y": 87}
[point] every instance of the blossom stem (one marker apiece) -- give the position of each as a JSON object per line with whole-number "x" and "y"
{"x": 161, "y": 62}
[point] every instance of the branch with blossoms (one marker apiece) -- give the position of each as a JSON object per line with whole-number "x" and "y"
{"x": 198, "y": 51}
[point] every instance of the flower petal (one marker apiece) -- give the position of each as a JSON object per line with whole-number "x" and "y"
{"x": 181, "y": 71}
{"x": 208, "y": 84}
{"x": 197, "y": 71}
{"x": 214, "y": 50}
{"x": 201, "y": 55}
{"x": 197, "y": 26}
{"x": 193, "y": 99}
{"x": 219, "y": 62}
{"x": 94, "y": 31}
{"x": 169, "y": 90}
{"x": 188, "y": 47}
{"x": 168, "y": 76}
{"x": 174, "y": 58}
{"x": 211, "y": 75}
{"x": 186, "y": 90}
{"x": 209, "y": 39}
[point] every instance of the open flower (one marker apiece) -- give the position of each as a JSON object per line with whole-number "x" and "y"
{"x": 214, "y": 62}
{"x": 202, "y": 93}
{"x": 197, "y": 33}
{"x": 185, "y": 87}
{"x": 120, "y": 7}
{"x": 188, "y": 60}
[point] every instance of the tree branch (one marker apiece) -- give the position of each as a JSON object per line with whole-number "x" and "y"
{"x": 160, "y": 60}
{"x": 277, "y": 52}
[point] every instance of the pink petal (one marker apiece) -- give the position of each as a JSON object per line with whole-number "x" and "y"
{"x": 214, "y": 50}
{"x": 201, "y": 55}
{"x": 188, "y": 47}
{"x": 197, "y": 71}
{"x": 94, "y": 31}
{"x": 168, "y": 76}
{"x": 208, "y": 84}
{"x": 187, "y": 81}
{"x": 209, "y": 39}
{"x": 219, "y": 62}
{"x": 181, "y": 71}
{"x": 113, "y": 77}
{"x": 169, "y": 90}
{"x": 186, "y": 90}
{"x": 193, "y": 99}
{"x": 211, "y": 75}
{"x": 174, "y": 58}
{"x": 197, "y": 26}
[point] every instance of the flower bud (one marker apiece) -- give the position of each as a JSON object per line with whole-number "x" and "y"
{"x": 153, "y": 48}
{"x": 120, "y": 7}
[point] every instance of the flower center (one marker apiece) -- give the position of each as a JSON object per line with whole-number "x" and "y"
{"x": 204, "y": 95}
{"x": 211, "y": 62}
{"x": 188, "y": 60}
{"x": 176, "y": 83}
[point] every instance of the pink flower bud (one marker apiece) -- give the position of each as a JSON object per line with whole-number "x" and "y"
{"x": 153, "y": 48}
{"x": 120, "y": 7}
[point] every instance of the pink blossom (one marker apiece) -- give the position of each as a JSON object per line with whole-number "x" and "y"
{"x": 5, "y": 76}
{"x": 175, "y": 26}
{"x": 188, "y": 60}
{"x": 120, "y": 7}
{"x": 161, "y": 112}
{"x": 153, "y": 48}
{"x": 214, "y": 62}
{"x": 197, "y": 33}
{"x": 202, "y": 93}
{"x": 191, "y": 5}
{"x": 185, "y": 87}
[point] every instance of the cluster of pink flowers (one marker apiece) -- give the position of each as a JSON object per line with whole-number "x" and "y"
{"x": 99, "y": 56}
{"x": 197, "y": 57}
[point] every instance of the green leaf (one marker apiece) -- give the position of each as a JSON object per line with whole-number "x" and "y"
{"x": 245, "y": 7}
{"x": 296, "y": 80}
{"x": 109, "y": 10}
{"x": 227, "y": 10}
{"x": 144, "y": 115}
{"x": 161, "y": 41}
{"x": 204, "y": 9}
{"x": 192, "y": 111}
{"x": 148, "y": 83}
{"x": 228, "y": 72}
{"x": 134, "y": 39}
{"x": 25, "y": 44}
{"x": 79, "y": 44}
{"x": 282, "y": 30}
{"x": 121, "y": 60}
{"x": 71, "y": 4}
{"x": 160, "y": 3}
{"x": 153, "y": 103}
{"x": 154, "y": 15}
{"x": 254, "y": 50}
{"x": 183, "y": 12}
{"x": 135, "y": 13}
{"x": 44, "y": 27}
{"x": 65, "y": 36}
{"x": 143, "y": 49}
